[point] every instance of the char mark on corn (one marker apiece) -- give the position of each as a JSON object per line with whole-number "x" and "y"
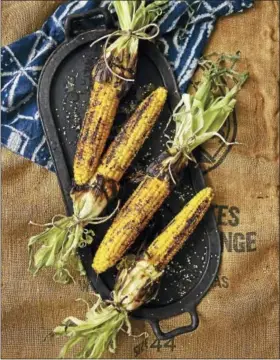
{"x": 103, "y": 104}
{"x": 166, "y": 245}
{"x": 132, "y": 136}
{"x": 130, "y": 221}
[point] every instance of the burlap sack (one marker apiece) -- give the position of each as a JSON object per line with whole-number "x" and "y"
{"x": 239, "y": 316}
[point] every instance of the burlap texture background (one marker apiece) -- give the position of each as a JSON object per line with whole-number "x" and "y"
{"x": 239, "y": 316}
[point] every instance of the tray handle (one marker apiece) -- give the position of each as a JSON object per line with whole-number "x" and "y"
{"x": 69, "y": 23}
{"x": 175, "y": 332}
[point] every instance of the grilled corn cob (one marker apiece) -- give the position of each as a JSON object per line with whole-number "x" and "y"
{"x": 135, "y": 285}
{"x": 130, "y": 221}
{"x": 62, "y": 238}
{"x": 132, "y": 136}
{"x": 162, "y": 250}
{"x": 197, "y": 118}
{"x": 104, "y": 101}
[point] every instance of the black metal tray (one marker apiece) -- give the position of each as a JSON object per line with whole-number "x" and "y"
{"x": 62, "y": 99}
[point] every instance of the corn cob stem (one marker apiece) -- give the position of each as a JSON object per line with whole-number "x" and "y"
{"x": 135, "y": 285}
{"x": 63, "y": 237}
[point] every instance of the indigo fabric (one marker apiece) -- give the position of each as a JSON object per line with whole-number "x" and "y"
{"x": 184, "y": 30}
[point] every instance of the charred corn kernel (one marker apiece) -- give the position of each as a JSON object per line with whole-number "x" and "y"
{"x": 103, "y": 104}
{"x": 130, "y": 221}
{"x": 132, "y": 136}
{"x": 165, "y": 246}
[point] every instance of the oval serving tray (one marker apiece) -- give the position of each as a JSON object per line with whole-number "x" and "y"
{"x": 64, "y": 89}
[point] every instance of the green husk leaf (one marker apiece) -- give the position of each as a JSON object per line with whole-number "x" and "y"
{"x": 57, "y": 247}
{"x": 199, "y": 117}
{"x": 134, "y": 15}
{"x": 134, "y": 286}
{"x": 96, "y": 334}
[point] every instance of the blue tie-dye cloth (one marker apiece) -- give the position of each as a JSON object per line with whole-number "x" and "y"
{"x": 22, "y": 62}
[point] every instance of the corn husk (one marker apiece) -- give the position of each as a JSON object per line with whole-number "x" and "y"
{"x": 200, "y": 116}
{"x": 135, "y": 19}
{"x": 96, "y": 334}
{"x": 135, "y": 286}
{"x": 57, "y": 245}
